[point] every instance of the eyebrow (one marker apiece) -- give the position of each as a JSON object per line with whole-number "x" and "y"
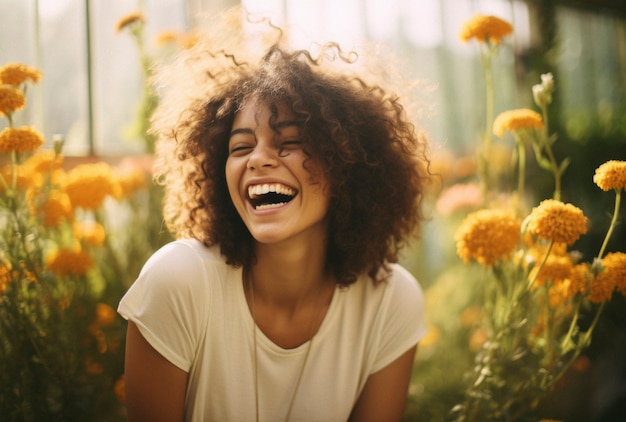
{"x": 279, "y": 125}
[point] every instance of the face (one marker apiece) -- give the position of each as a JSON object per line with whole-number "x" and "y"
{"x": 276, "y": 196}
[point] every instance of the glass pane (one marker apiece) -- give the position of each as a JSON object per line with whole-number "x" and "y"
{"x": 57, "y": 104}
{"x": 118, "y": 77}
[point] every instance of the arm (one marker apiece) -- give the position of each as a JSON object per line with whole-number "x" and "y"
{"x": 155, "y": 388}
{"x": 384, "y": 395}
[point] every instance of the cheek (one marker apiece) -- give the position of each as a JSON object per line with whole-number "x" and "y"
{"x": 232, "y": 181}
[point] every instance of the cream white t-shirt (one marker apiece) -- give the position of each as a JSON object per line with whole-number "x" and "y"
{"x": 190, "y": 306}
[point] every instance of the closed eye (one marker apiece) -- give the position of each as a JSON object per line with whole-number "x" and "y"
{"x": 239, "y": 149}
{"x": 286, "y": 146}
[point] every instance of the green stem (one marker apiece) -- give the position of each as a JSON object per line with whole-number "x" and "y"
{"x": 543, "y": 262}
{"x": 581, "y": 344}
{"x": 521, "y": 152}
{"x": 557, "y": 173}
{"x": 555, "y": 167}
{"x": 485, "y": 151}
{"x": 572, "y": 326}
{"x": 609, "y": 232}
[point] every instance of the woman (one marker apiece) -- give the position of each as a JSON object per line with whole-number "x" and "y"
{"x": 291, "y": 187}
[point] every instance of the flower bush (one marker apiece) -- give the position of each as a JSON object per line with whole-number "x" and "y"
{"x": 66, "y": 258}
{"x": 534, "y": 286}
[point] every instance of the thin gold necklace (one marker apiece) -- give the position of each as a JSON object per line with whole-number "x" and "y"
{"x": 306, "y": 356}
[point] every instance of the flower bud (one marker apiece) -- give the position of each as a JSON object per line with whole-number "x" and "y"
{"x": 57, "y": 143}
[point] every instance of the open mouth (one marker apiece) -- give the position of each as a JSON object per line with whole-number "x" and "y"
{"x": 270, "y": 195}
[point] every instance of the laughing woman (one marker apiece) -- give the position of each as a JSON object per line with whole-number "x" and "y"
{"x": 291, "y": 186}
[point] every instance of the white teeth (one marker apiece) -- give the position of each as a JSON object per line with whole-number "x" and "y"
{"x": 257, "y": 190}
{"x": 268, "y": 206}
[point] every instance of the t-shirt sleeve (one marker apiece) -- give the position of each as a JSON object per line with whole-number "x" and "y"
{"x": 164, "y": 302}
{"x": 403, "y": 323}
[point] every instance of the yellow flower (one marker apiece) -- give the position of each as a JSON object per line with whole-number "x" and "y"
{"x": 513, "y": 120}
{"x": 556, "y": 221}
{"x": 486, "y": 28}
{"x": 16, "y": 73}
{"x": 11, "y": 99}
{"x": 22, "y": 139}
{"x": 487, "y": 236}
{"x": 90, "y": 232}
{"x": 56, "y": 209}
{"x": 432, "y": 337}
{"x": 71, "y": 262}
{"x": 611, "y": 175}
{"x": 128, "y": 20}
{"x": 89, "y": 184}
{"x": 611, "y": 278}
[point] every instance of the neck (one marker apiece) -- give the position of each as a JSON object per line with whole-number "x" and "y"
{"x": 287, "y": 277}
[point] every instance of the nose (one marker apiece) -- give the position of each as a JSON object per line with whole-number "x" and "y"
{"x": 263, "y": 155}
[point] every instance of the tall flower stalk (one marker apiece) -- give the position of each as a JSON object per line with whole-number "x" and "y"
{"x": 488, "y": 31}
{"x": 135, "y": 23}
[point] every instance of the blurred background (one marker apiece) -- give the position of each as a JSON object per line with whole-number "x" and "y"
{"x": 93, "y": 84}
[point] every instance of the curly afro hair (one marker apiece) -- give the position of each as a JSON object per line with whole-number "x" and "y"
{"x": 372, "y": 155}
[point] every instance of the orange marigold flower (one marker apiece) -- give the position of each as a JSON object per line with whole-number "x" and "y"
{"x": 11, "y": 99}
{"x": 5, "y": 278}
{"x": 556, "y": 221}
{"x": 559, "y": 293}
{"x": 130, "y": 19}
{"x": 22, "y": 139}
{"x": 89, "y": 184}
{"x": 611, "y": 175}
{"x": 167, "y": 37}
{"x": 56, "y": 209}
{"x": 555, "y": 269}
{"x": 16, "y": 73}
{"x": 616, "y": 261}
{"x": 512, "y": 120}
{"x": 120, "y": 390}
{"x": 580, "y": 279}
{"x": 91, "y": 232}
{"x": 487, "y": 236}
{"x": 69, "y": 262}
{"x": 486, "y": 28}
{"x": 23, "y": 178}
{"x": 44, "y": 161}
{"x": 611, "y": 278}
{"x": 130, "y": 182}
{"x": 477, "y": 339}
{"x": 105, "y": 315}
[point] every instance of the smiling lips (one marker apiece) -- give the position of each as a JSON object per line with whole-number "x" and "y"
{"x": 270, "y": 195}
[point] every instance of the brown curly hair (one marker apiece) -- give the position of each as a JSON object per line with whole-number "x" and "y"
{"x": 372, "y": 155}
